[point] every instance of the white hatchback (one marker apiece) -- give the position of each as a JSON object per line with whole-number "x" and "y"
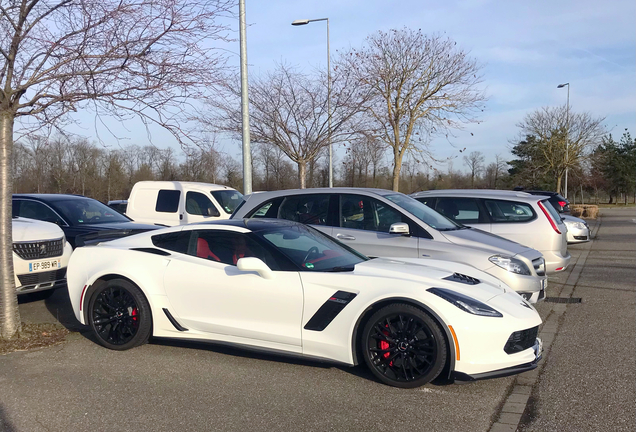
{"x": 518, "y": 216}
{"x": 40, "y": 255}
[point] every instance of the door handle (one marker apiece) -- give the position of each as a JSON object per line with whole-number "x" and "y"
{"x": 345, "y": 237}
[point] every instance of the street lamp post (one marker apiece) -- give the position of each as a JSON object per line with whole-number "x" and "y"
{"x": 247, "y": 154}
{"x": 567, "y": 136}
{"x": 304, "y": 22}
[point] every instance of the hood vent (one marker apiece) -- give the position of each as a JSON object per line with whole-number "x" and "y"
{"x": 458, "y": 277}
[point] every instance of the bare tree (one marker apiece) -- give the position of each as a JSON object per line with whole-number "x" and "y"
{"x": 561, "y": 142}
{"x": 475, "y": 163}
{"x": 288, "y": 109}
{"x": 420, "y": 86}
{"x": 117, "y": 57}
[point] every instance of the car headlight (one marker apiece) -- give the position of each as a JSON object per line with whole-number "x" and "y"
{"x": 511, "y": 264}
{"x": 465, "y": 303}
{"x": 578, "y": 225}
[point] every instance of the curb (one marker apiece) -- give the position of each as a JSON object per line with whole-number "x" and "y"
{"x": 516, "y": 404}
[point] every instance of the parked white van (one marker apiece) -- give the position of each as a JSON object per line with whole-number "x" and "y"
{"x": 173, "y": 203}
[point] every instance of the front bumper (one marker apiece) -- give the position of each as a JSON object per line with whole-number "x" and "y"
{"x": 500, "y": 373}
{"x": 530, "y": 287}
{"x": 27, "y": 281}
{"x": 578, "y": 235}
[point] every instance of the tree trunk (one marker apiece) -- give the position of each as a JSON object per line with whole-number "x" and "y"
{"x": 558, "y": 188}
{"x": 397, "y": 167}
{"x": 9, "y": 313}
{"x": 302, "y": 173}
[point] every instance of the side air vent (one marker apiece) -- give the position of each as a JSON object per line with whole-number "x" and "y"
{"x": 152, "y": 251}
{"x": 458, "y": 277}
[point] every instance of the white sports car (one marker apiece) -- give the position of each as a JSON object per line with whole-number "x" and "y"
{"x": 282, "y": 286}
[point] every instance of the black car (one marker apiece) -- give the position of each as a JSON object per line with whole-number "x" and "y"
{"x": 561, "y": 204}
{"x": 77, "y": 215}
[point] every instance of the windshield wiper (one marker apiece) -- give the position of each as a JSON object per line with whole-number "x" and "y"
{"x": 341, "y": 269}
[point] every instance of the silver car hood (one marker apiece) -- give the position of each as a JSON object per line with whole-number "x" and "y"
{"x": 479, "y": 239}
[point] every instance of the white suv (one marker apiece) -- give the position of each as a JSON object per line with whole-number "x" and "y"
{"x": 518, "y": 216}
{"x": 40, "y": 255}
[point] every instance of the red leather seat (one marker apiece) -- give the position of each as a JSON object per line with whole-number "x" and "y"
{"x": 203, "y": 250}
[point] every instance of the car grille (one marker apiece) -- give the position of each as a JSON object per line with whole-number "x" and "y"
{"x": 539, "y": 266}
{"x": 580, "y": 237}
{"x": 39, "y": 250}
{"x": 458, "y": 277}
{"x": 521, "y": 340}
{"x": 42, "y": 277}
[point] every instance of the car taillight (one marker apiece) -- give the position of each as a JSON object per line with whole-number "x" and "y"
{"x": 562, "y": 203}
{"x": 547, "y": 215}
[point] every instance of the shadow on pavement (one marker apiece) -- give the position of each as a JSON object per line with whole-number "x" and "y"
{"x": 5, "y": 424}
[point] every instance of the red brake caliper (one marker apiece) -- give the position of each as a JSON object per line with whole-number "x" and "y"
{"x": 133, "y": 314}
{"x": 385, "y": 345}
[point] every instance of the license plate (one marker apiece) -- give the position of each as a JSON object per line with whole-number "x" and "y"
{"x": 51, "y": 264}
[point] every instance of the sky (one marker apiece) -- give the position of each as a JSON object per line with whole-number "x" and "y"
{"x": 526, "y": 49}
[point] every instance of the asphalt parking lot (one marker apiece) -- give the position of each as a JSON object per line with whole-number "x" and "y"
{"x": 584, "y": 383}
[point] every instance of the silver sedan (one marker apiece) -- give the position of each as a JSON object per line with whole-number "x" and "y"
{"x": 578, "y": 229}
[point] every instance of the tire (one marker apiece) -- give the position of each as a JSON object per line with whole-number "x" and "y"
{"x": 119, "y": 315}
{"x": 403, "y": 346}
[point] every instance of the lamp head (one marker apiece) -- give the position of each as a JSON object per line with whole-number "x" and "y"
{"x": 300, "y": 22}
{"x": 563, "y": 85}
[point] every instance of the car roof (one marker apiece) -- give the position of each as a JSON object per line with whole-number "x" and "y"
{"x": 254, "y": 225}
{"x": 285, "y": 192}
{"x": 477, "y": 193}
{"x": 201, "y": 185}
{"x": 51, "y": 197}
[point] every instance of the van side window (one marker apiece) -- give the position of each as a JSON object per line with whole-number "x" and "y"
{"x": 509, "y": 211}
{"x": 199, "y": 204}
{"x": 168, "y": 201}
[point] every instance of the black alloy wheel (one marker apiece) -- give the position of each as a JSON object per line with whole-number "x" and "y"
{"x": 119, "y": 315}
{"x": 403, "y": 346}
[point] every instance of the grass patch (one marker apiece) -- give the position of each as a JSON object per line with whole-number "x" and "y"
{"x": 34, "y": 336}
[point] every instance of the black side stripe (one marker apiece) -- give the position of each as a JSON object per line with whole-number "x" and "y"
{"x": 174, "y": 321}
{"x": 329, "y": 310}
{"x": 152, "y": 251}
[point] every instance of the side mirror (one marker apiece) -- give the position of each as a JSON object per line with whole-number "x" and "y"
{"x": 255, "y": 265}
{"x": 400, "y": 228}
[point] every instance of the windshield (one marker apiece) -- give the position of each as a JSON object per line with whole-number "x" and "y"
{"x": 423, "y": 212}
{"x": 228, "y": 199}
{"x": 80, "y": 211}
{"x": 311, "y": 250}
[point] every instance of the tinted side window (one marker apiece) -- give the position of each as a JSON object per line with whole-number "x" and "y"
{"x": 365, "y": 213}
{"x": 227, "y": 247}
{"x": 267, "y": 210}
{"x": 199, "y": 204}
{"x": 168, "y": 201}
{"x": 509, "y": 211}
{"x": 307, "y": 209}
{"x": 175, "y": 241}
{"x": 35, "y": 210}
{"x": 462, "y": 210}
{"x": 428, "y": 201}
